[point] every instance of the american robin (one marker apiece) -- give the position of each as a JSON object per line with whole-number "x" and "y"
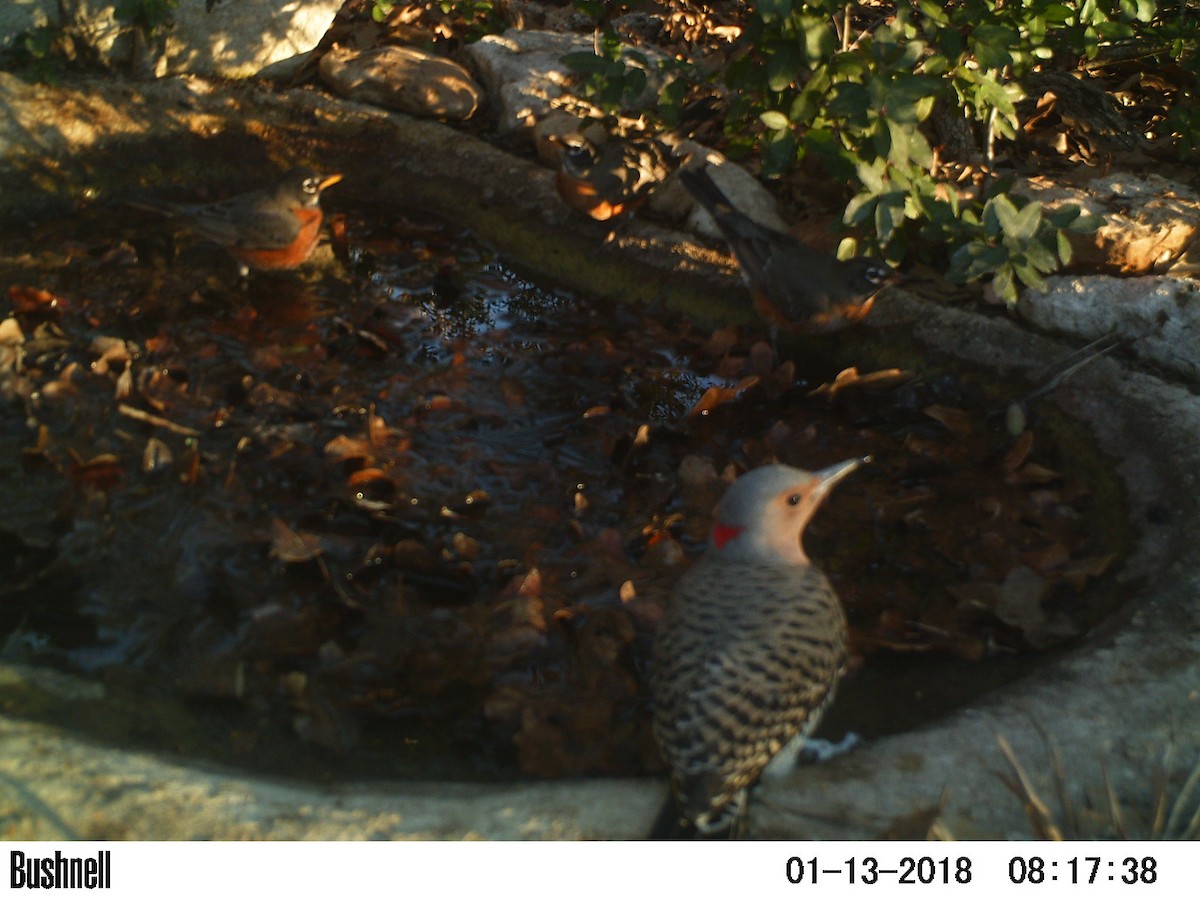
{"x": 794, "y": 286}
{"x": 609, "y": 180}
{"x": 266, "y": 229}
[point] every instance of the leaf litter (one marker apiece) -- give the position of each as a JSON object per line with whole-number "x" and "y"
{"x": 425, "y": 510}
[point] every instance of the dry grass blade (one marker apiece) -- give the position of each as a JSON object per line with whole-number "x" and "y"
{"x": 1158, "y": 796}
{"x": 1114, "y": 804}
{"x": 1039, "y": 815}
{"x": 1180, "y": 807}
{"x": 1070, "y": 815}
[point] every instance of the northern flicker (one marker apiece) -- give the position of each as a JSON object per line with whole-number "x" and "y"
{"x": 794, "y": 286}
{"x": 751, "y": 648}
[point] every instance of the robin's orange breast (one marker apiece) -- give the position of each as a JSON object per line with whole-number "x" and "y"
{"x": 582, "y": 195}
{"x": 291, "y": 255}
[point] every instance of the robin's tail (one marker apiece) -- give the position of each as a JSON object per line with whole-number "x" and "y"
{"x": 153, "y": 204}
{"x": 704, "y": 190}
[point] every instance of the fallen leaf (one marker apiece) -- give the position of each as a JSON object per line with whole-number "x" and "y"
{"x": 717, "y": 396}
{"x": 1018, "y": 453}
{"x": 953, "y": 419}
{"x": 293, "y": 547}
{"x": 880, "y": 380}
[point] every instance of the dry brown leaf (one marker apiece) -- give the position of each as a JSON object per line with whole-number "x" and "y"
{"x": 1032, "y": 473}
{"x": 367, "y": 476}
{"x": 722, "y": 341}
{"x": 293, "y": 547}
{"x": 100, "y": 472}
{"x": 1019, "y": 452}
{"x": 27, "y": 299}
{"x": 955, "y": 420}
{"x": 761, "y": 361}
{"x": 1077, "y": 573}
{"x": 1048, "y": 559}
{"x": 344, "y": 447}
{"x": 718, "y": 396}
{"x": 879, "y": 380}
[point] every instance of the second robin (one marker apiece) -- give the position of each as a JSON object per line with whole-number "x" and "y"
{"x": 794, "y": 286}
{"x": 267, "y": 229}
{"x": 609, "y": 180}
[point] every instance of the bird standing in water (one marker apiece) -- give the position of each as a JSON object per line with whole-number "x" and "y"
{"x": 794, "y": 286}
{"x": 267, "y": 229}
{"x": 751, "y": 648}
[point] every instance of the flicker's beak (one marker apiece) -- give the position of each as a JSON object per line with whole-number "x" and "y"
{"x": 829, "y": 476}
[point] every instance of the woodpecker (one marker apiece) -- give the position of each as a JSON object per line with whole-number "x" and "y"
{"x": 750, "y": 649}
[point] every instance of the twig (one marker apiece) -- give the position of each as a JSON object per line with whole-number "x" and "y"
{"x": 158, "y": 421}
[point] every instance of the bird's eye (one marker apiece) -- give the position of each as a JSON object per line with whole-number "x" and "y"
{"x": 311, "y": 185}
{"x": 794, "y": 500}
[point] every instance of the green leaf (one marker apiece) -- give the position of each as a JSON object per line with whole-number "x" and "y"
{"x": 935, "y": 12}
{"x": 860, "y": 209}
{"x": 1028, "y": 276}
{"x": 1141, "y": 10}
{"x": 873, "y": 175}
{"x": 1003, "y": 284}
{"x": 1025, "y": 226}
{"x": 936, "y": 65}
{"x": 976, "y": 259}
{"x": 1020, "y": 225}
{"x": 635, "y": 82}
{"x": 1058, "y": 13}
{"x": 1065, "y": 253}
{"x": 897, "y": 154}
{"x": 889, "y": 215}
{"x": 774, "y": 10}
{"x": 774, "y": 119}
{"x": 779, "y": 153}
{"x": 850, "y": 101}
{"x": 991, "y": 44}
{"x": 1086, "y": 223}
{"x": 820, "y": 40}
{"x": 1041, "y": 257}
{"x": 783, "y": 65}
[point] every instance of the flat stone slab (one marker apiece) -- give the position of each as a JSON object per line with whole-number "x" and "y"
{"x": 404, "y": 79}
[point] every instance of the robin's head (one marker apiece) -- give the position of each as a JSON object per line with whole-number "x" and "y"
{"x": 865, "y": 275}
{"x": 575, "y": 151}
{"x": 764, "y": 513}
{"x": 304, "y": 186}
{"x": 868, "y": 274}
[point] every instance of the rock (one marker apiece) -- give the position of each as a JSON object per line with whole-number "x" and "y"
{"x": 94, "y": 24}
{"x": 22, "y": 16}
{"x": 1149, "y": 222}
{"x": 404, "y": 79}
{"x": 744, "y": 191}
{"x": 1158, "y": 315}
{"x": 234, "y": 40}
{"x": 240, "y": 38}
{"x": 525, "y": 77}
